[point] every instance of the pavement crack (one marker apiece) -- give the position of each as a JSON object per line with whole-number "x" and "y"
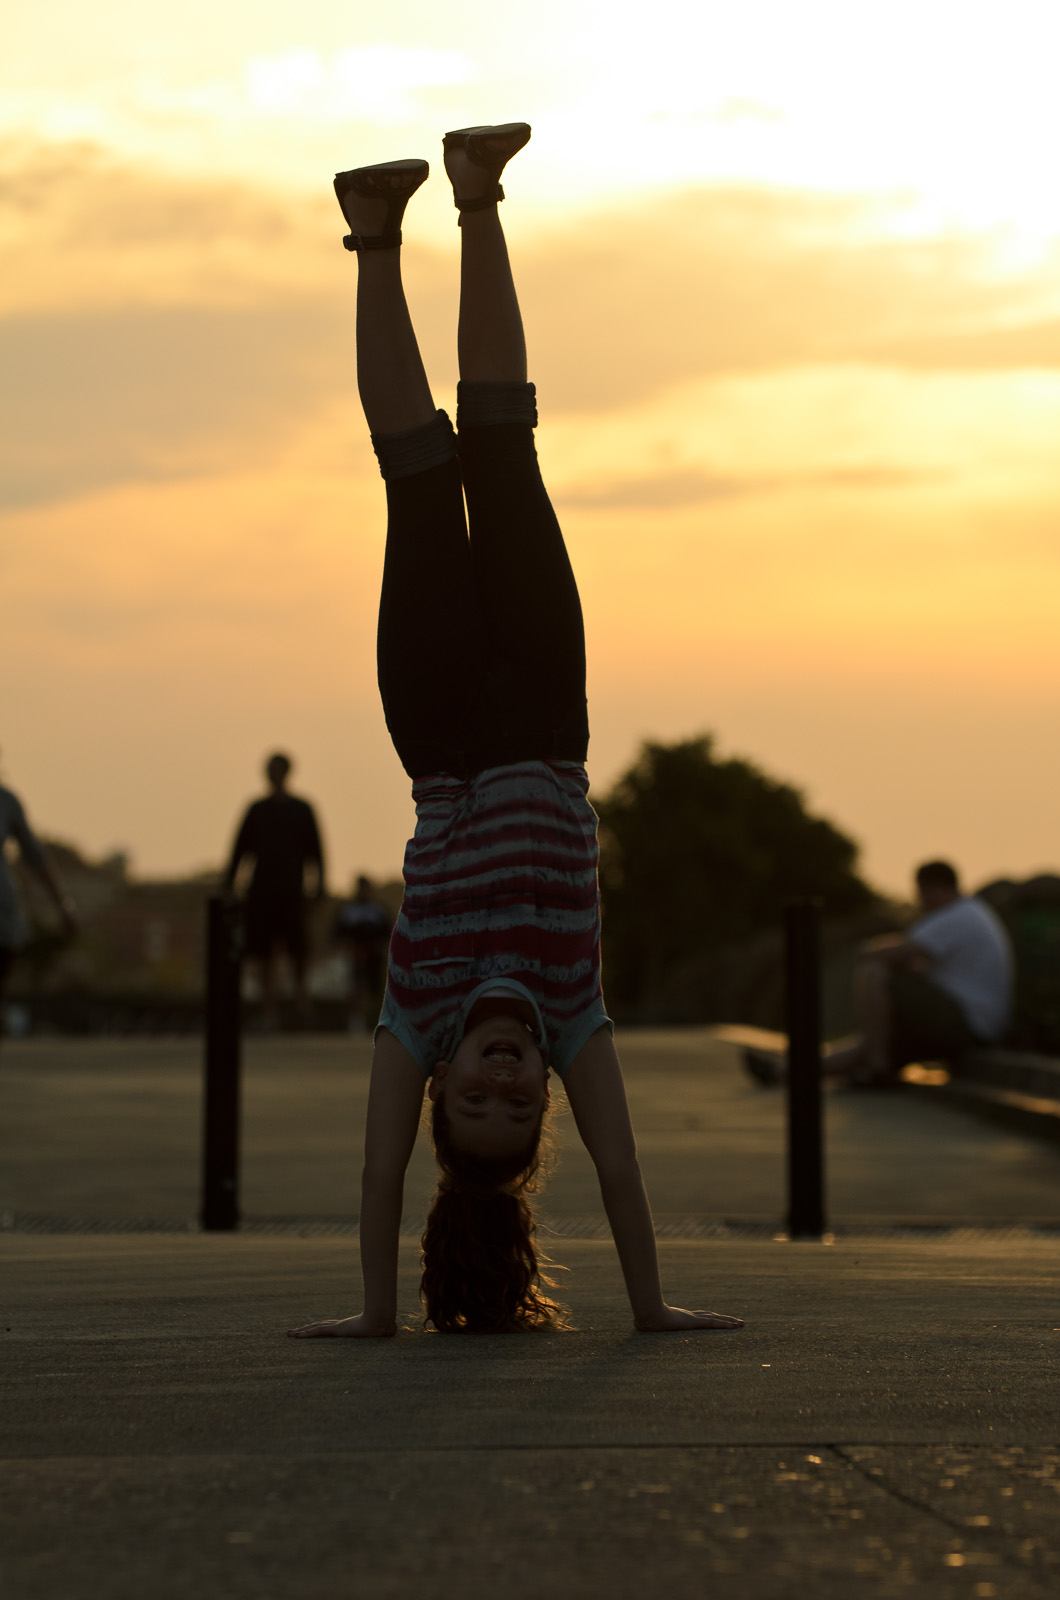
{"x": 990, "y": 1537}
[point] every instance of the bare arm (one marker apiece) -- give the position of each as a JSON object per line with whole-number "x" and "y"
{"x": 32, "y": 854}
{"x": 313, "y": 870}
{"x": 241, "y": 849}
{"x": 897, "y": 951}
{"x": 395, "y": 1098}
{"x": 597, "y": 1098}
{"x": 63, "y": 903}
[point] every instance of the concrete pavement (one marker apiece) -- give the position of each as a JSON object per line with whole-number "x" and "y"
{"x": 886, "y": 1424}
{"x": 109, "y": 1129}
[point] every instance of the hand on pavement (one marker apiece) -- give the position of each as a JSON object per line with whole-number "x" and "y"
{"x": 673, "y": 1320}
{"x": 344, "y": 1328}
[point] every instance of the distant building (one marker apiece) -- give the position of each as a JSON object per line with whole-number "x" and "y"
{"x": 140, "y": 952}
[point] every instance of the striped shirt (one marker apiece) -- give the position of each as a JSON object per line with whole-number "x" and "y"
{"x": 501, "y": 892}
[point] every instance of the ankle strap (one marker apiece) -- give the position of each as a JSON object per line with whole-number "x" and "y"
{"x": 481, "y": 202}
{"x": 372, "y": 241}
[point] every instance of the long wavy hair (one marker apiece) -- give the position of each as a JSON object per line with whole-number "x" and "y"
{"x": 482, "y": 1270}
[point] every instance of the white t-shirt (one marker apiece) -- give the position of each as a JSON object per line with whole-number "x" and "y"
{"x": 971, "y": 961}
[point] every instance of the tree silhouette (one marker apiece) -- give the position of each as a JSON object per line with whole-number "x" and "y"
{"x": 698, "y": 854}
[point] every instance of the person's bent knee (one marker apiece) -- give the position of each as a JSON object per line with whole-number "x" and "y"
{"x": 405, "y": 455}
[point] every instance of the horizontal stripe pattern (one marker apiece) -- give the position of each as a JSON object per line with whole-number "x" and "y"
{"x": 500, "y": 884}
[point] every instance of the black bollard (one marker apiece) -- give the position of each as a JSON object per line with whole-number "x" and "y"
{"x": 220, "y": 1128}
{"x": 802, "y": 941}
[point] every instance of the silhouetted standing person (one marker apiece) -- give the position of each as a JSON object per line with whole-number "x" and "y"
{"x": 280, "y": 841}
{"x": 362, "y": 928}
{"x": 14, "y": 925}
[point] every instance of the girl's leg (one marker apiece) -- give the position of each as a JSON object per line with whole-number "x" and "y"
{"x": 426, "y": 673}
{"x": 424, "y": 668}
{"x": 531, "y": 621}
{"x": 491, "y": 346}
{"x": 393, "y": 386}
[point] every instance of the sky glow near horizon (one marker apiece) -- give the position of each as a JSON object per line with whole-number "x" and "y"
{"x": 810, "y": 486}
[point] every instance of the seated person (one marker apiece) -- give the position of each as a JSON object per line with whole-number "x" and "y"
{"x": 942, "y": 987}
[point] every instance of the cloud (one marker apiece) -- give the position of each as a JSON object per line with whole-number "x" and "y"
{"x": 154, "y": 393}
{"x": 737, "y": 109}
{"x": 83, "y": 231}
{"x": 733, "y": 281}
{"x": 1035, "y": 345}
{"x": 159, "y": 327}
{"x": 163, "y": 327}
{"x": 688, "y": 487}
{"x": 673, "y": 490}
{"x": 377, "y": 83}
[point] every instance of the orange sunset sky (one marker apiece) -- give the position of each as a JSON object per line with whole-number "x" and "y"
{"x": 791, "y": 280}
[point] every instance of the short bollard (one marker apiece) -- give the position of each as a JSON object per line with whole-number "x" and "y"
{"x": 802, "y": 940}
{"x": 221, "y": 1086}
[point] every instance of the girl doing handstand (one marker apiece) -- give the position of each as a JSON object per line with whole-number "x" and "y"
{"x": 494, "y": 967}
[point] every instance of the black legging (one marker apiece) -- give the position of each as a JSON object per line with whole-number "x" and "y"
{"x": 481, "y": 645}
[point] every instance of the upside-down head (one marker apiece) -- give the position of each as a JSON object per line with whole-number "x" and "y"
{"x": 481, "y": 1267}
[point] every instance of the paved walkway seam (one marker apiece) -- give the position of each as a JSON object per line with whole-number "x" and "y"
{"x": 571, "y": 1227}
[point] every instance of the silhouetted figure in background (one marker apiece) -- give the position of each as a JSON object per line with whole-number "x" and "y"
{"x": 279, "y": 843}
{"x": 362, "y": 929}
{"x": 942, "y": 987}
{"x": 14, "y": 926}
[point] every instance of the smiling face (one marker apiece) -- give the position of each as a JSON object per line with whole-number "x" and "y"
{"x": 494, "y": 1089}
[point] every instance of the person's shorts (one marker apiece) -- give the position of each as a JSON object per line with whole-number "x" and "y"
{"x": 274, "y": 925}
{"x": 7, "y": 961}
{"x": 927, "y": 1023}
